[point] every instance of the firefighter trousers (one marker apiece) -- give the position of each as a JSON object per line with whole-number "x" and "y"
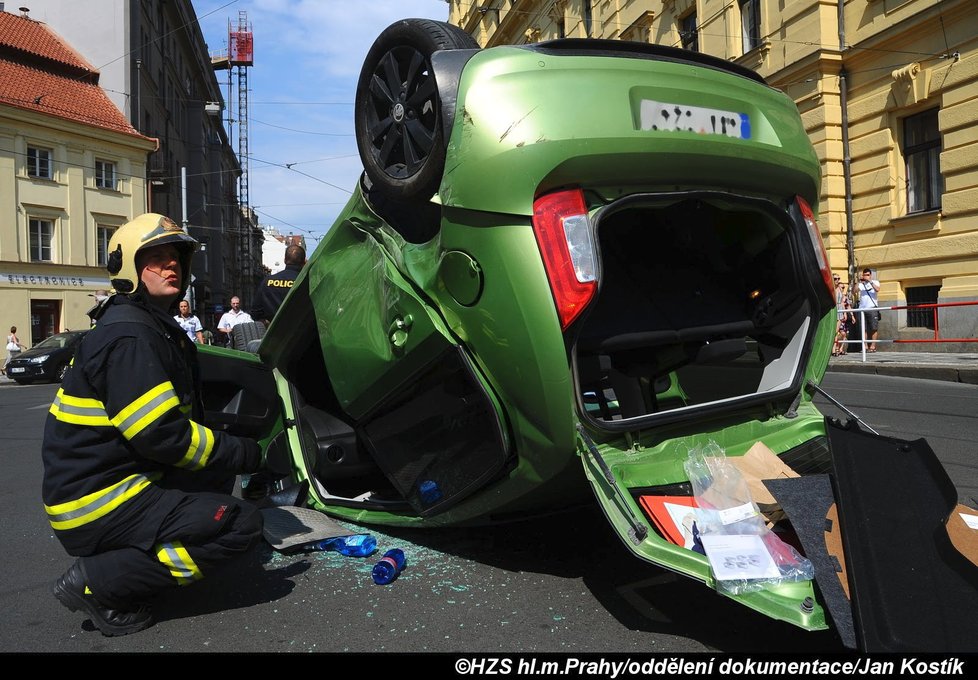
{"x": 170, "y": 537}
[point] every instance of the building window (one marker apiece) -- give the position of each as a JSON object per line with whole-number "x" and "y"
{"x": 105, "y": 175}
{"x": 39, "y": 162}
{"x": 102, "y": 237}
{"x": 687, "y": 32}
{"x": 750, "y": 23}
{"x": 586, "y": 16}
{"x": 922, "y": 295}
{"x": 922, "y": 152}
{"x": 40, "y": 237}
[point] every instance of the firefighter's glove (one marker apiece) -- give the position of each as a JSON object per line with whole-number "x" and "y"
{"x": 253, "y": 458}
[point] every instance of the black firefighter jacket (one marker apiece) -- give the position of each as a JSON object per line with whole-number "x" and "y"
{"x": 127, "y": 417}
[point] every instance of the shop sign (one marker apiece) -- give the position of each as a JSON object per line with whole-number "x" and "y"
{"x": 28, "y": 280}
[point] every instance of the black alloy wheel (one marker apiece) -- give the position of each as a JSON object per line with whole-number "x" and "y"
{"x": 398, "y": 116}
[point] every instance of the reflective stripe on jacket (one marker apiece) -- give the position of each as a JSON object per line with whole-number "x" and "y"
{"x": 127, "y": 413}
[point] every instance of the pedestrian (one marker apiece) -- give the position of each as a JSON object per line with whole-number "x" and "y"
{"x": 272, "y": 290}
{"x": 846, "y": 323}
{"x": 232, "y": 318}
{"x": 100, "y": 296}
{"x": 134, "y": 485}
{"x": 189, "y": 323}
{"x": 869, "y": 289}
{"x": 14, "y": 348}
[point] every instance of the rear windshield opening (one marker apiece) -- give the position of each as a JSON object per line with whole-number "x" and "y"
{"x": 699, "y": 304}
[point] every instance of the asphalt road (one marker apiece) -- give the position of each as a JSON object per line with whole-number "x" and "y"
{"x": 558, "y": 584}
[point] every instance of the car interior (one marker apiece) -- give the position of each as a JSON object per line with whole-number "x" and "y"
{"x": 721, "y": 317}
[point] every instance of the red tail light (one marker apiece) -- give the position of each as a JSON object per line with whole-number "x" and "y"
{"x": 816, "y": 238}
{"x": 563, "y": 231}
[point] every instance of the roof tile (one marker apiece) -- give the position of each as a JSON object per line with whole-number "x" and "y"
{"x": 40, "y": 72}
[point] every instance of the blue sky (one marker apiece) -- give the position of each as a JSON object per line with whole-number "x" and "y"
{"x": 308, "y": 55}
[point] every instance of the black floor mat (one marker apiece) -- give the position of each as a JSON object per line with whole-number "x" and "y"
{"x": 806, "y": 501}
{"x": 911, "y": 590}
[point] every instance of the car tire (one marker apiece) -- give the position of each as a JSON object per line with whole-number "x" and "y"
{"x": 22, "y": 382}
{"x": 397, "y": 116}
{"x": 247, "y": 336}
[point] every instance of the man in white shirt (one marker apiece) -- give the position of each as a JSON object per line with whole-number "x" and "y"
{"x": 869, "y": 289}
{"x": 232, "y": 318}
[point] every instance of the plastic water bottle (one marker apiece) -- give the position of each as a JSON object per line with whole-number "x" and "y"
{"x": 390, "y": 565}
{"x": 358, "y": 545}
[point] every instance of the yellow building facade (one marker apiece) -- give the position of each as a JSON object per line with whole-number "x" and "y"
{"x": 888, "y": 91}
{"x": 72, "y": 171}
{"x": 54, "y": 229}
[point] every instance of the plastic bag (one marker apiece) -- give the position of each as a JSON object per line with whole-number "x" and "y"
{"x": 729, "y": 521}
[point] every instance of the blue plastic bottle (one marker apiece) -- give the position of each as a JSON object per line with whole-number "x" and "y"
{"x": 390, "y": 565}
{"x": 358, "y": 545}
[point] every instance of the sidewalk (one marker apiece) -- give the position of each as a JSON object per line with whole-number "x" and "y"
{"x": 951, "y": 367}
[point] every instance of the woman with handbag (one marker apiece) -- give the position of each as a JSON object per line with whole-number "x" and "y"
{"x": 13, "y": 348}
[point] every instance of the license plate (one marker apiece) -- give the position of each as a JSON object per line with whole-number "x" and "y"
{"x": 17, "y": 370}
{"x": 661, "y": 116}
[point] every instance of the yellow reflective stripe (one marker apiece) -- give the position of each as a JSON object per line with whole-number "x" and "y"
{"x": 97, "y": 504}
{"x": 201, "y": 445}
{"x": 176, "y": 558}
{"x": 79, "y": 411}
{"x": 142, "y": 412}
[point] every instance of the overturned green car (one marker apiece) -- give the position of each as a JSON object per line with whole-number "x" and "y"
{"x": 566, "y": 264}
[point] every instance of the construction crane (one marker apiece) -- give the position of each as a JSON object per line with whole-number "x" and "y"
{"x": 238, "y": 60}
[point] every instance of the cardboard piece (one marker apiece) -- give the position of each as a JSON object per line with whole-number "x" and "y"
{"x": 761, "y": 463}
{"x": 963, "y": 537}
{"x": 833, "y": 545}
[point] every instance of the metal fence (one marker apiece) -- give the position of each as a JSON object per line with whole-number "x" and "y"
{"x": 930, "y": 309}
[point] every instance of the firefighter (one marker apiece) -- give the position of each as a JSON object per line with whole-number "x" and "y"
{"x": 134, "y": 485}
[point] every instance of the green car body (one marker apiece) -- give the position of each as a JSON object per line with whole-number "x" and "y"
{"x": 450, "y": 355}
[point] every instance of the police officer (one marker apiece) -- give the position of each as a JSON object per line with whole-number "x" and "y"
{"x": 134, "y": 485}
{"x": 272, "y": 290}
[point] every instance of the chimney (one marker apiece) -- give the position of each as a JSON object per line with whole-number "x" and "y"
{"x": 24, "y": 11}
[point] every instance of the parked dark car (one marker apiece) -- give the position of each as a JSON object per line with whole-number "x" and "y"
{"x": 47, "y": 360}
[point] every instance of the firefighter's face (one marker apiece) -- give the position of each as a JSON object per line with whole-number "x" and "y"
{"x": 160, "y": 272}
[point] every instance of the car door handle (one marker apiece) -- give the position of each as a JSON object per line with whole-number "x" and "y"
{"x": 398, "y": 331}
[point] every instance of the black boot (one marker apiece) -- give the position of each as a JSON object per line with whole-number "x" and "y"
{"x": 71, "y": 591}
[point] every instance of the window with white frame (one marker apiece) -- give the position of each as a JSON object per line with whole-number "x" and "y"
{"x": 40, "y": 237}
{"x": 922, "y": 153}
{"x": 750, "y": 24}
{"x": 105, "y": 177}
{"x": 103, "y": 235}
{"x": 39, "y": 162}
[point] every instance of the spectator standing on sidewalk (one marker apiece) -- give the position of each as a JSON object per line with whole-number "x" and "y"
{"x": 869, "y": 289}
{"x": 232, "y": 318}
{"x": 190, "y": 323}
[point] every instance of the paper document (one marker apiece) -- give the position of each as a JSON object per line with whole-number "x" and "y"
{"x": 736, "y": 557}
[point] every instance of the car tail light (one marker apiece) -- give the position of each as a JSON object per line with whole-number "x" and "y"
{"x": 563, "y": 232}
{"x": 816, "y": 237}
